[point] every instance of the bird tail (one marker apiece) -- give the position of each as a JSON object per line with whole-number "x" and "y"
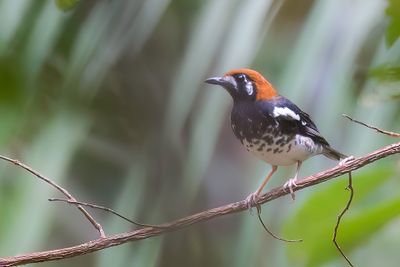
{"x": 332, "y": 153}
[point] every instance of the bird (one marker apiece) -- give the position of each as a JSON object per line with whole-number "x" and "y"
{"x": 270, "y": 126}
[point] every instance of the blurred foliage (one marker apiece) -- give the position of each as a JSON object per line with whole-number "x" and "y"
{"x": 66, "y": 5}
{"x": 317, "y": 217}
{"x": 108, "y": 100}
{"x": 393, "y": 29}
{"x": 386, "y": 73}
{"x": 388, "y": 76}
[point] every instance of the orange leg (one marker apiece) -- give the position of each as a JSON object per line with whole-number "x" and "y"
{"x": 252, "y": 198}
{"x": 274, "y": 168}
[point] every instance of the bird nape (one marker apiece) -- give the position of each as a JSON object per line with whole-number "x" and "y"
{"x": 270, "y": 126}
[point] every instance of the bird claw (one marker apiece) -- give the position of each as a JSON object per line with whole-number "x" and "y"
{"x": 345, "y": 160}
{"x": 252, "y": 201}
{"x": 289, "y": 185}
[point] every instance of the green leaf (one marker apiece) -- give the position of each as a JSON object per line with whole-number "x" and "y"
{"x": 393, "y": 29}
{"x": 385, "y": 73}
{"x": 66, "y": 5}
{"x": 315, "y": 220}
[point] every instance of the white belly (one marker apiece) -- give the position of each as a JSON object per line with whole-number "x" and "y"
{"x": 298, "y": 149}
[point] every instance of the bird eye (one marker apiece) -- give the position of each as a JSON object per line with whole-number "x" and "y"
{"x": 241, "y": 77}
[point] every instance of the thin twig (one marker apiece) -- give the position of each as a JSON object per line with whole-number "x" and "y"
{"x": 147, "y": 232}
{"x": 392, "y": 134}
{"x": 95, "y": 224}
{"x": 350, "y": 187}
{"x": 270, "y": 232}
{"x": 94, "y": 206}
{"x": 339, "y": 218}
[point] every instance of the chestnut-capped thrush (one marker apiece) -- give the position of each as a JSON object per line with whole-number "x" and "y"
{"x": 270, "y": 126}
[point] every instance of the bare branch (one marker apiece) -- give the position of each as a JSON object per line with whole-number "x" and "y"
{"x": 392, "y": 134}
{"x": 147, "y": 232}
{"x": 94, "y": 206}
{"x": 271, "y": 233}
{"x": 339, "y": 218}
{"x": 350, "y": 187}
{"x": 59, "y": 188}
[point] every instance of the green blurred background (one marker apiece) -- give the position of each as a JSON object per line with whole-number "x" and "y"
{"x": 107, "y": 98}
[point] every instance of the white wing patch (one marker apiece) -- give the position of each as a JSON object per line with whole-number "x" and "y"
{"x": 279, "y": 111}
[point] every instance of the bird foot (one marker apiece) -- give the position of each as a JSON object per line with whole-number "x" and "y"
{"x": 252, "y": 200}
{"x": 289, "y": 185}
{"x": 345, "y": 160}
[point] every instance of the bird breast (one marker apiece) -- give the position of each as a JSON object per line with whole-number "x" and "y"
{"x": 263, "y": 136}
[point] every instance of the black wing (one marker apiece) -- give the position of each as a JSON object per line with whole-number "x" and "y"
{"x": 293, "y": 119}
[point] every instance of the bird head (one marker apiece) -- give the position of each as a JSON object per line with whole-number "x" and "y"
{"x": 245, "y": 84}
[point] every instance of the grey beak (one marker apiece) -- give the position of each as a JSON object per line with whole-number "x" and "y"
{"x": 223, "y": 81}
{"x": 215, "y": 80}
{"x": 226, "y": 82}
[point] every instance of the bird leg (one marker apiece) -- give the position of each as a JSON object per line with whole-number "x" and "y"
{"x": 292, "y": 182}
{"x": 251, "y": 200}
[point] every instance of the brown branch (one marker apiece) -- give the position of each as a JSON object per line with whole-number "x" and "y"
{"x": 271, "y": 233}
{"x": 392, "y": 134}
{"x": 339, "y": 218}
{"x": 147, "y": 232}
{"x": 94, "y": 206}
{"x": 95, "y": 224}
{"x": 350, "y": 187}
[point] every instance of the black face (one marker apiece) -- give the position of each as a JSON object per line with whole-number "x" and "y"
{"x": 245, "y": 86}
{"x": 239, "y": 86}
